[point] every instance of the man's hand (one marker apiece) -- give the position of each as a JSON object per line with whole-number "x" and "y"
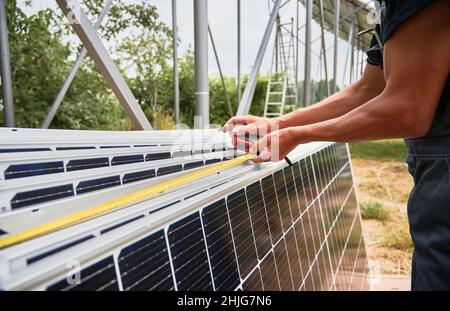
{"x": 251, "y": 123}
{"x": 274, "y": 146}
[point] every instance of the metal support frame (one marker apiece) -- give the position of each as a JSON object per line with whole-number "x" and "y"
{"x": 324, "y": 49}
{"x": 247, "y": 97}
{"x": 349, "y": 50}
{"x": 238, "y": 51}
{"x": 337, "y": 8}
{"x": 76, "y": 66}
{"x": 222, "y": 79}
{"x": 97, "y": 51}
{"x": 201, "y": 62}
{"x": 307, "y": 81}
{"x": 176, "y": 83}
{"x": 8, "y": 102}
{"x": 297, "y": 8}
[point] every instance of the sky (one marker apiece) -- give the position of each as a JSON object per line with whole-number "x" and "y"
{"x": 222, "y": 16}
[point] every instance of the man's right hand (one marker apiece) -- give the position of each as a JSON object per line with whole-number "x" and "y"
{"x": 250, "y": 125}
{"x": 248, "y": 129}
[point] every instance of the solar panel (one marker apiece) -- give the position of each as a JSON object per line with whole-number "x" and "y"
{"x": 277, "y": 227}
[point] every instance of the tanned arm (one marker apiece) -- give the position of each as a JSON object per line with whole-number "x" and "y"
{"x": 416, "y": 62}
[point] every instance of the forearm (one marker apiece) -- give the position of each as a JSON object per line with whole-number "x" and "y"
{"x": 331, "y": 107}
{"x": 382, "y": 117}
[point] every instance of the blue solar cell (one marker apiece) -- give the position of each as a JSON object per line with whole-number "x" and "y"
{"x": 27, "y": 198}
{"x": 283, "y": 268}
{"x": 9, "y": 150}
{"x": 84, "y": 164}
{"x": 212, "y": 161}
{"x": 220, "y": 246}
{"x": 283, "y": 202}
{"x": 120, "y": 224}
{"x": 33, "y": 169}
{"x": 157, "y": 156}
{"x": 269, "y": 273}
{"x": 188, "y": 251}
{"x": 128, "y": 159}
{"x": 192, "y": 165}
{"x": 254, "y": 282}
{"x": 100, "y": 276}
{"x": 259, "y": 219}
{"x": 75, "y": 148}
{"x": 244, "y": 240}
{"x": 98, "y": 184}
{"x": 136, "y": 176}
{"x": 145, "y": 265}
{"x": 273, "y": 213}
{"x": 169, "y": 169}
{"x": 58, "y": 249}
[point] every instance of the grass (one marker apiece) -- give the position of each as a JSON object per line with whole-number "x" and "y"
{"x": 381, "y": 150}
{"x": 398, "y": 237}
{"x": 374, "y": 210}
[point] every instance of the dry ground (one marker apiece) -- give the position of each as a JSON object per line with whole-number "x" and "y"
{"x": 384, "y": 183}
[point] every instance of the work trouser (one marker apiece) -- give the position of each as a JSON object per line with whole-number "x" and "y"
{"x": 429, "y": 213}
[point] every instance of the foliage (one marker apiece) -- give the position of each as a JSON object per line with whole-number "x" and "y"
{"x": 374, "y": 210}
{"x": 398, "y": 237}
{"x": 382, "y": 150}
{"x": 42, "y": 56}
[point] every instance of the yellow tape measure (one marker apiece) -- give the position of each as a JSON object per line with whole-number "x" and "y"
{"x": 123, "y": 201}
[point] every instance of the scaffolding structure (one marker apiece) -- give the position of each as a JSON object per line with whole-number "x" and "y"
{"x": 343, "y": 18}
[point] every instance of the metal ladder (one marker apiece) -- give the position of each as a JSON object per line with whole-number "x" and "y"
{"x": 280, "y": 94}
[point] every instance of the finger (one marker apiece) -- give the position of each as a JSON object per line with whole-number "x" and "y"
{"x": 259, "y": 146}
{"x": 265, "y": 156}
{"x": 245, "y": 130}
{"x": 242, "y": 144}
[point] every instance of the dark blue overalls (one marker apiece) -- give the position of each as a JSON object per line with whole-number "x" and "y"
{"x": 429, "y": 164}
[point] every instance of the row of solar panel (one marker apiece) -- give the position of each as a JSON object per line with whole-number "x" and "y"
{"x": 43, "y": 195}
{"x": 277, "y": 233}
{"x": 89, "y": 147}
{"x": 52, "y": 167}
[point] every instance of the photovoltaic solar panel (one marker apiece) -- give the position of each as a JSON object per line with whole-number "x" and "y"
{"x": 220, "y": 246}
{"x": 296, "y": 228}
{"x": 189, "y": 256}
{"x": 242, "y": 232}
{"x": 98, "y": 276}
{"x": 145, "y": 265}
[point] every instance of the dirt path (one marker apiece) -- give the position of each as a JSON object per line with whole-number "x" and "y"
{"x": 388, "y": 183}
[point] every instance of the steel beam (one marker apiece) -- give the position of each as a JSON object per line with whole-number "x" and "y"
{"x": 247, "y": 97}
{"x": 201, "y": 62}
{"x": 337, "y": 7}
{"x": 97, "y": 51}
{"x": 176, "y": 83}
{"x": 8, "y": 102}
{"x": 238, "y": 51}
{"x": 222, "y": 79}
{"x": 76, "y": 66}
{"x": 307, "y": 81}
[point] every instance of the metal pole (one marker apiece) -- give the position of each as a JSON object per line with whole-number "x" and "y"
{"x": 227, "y": 97}
{"x": 201, "y": 61}
{"x": 176, "y": 87}
{"x": 352, "y": 56}
{"x": 307, "y": 82}
{"x": 247, "y": 97}
{"x": 238, "y": 50}
{"x": 296, "y": 52}
{"x": 76, "y": 66}
{"x": 97, "y": 51}
{"x": 350, "y": 39}
{"x": 6, "y": 68}
{"x": 327, "y": 86}
{"x": 336, "y": 41}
